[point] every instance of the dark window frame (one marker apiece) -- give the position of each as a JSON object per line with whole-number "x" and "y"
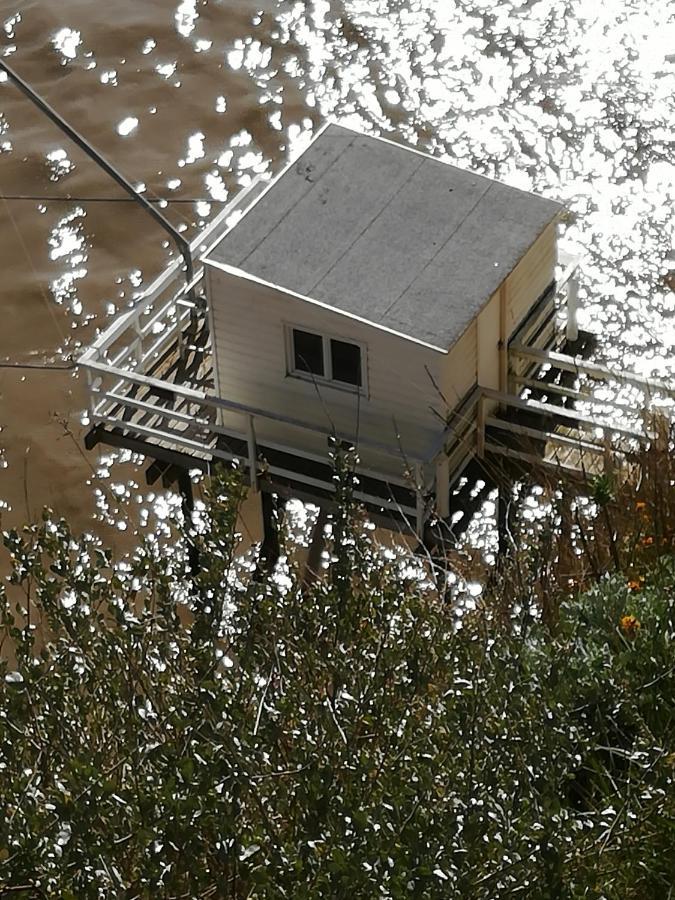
{"x": 327, "y": 345}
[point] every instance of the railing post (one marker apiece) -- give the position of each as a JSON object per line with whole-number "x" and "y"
{"x": 480, "y": 428}
{"x": 180, "y": 342}
{"x": 90, "y": 397}
{"x": 572, "y": 304}
{"x": 252, "y": 454}
{"x": 138, "y": 349}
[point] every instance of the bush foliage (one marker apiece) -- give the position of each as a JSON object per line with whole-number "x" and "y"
{"x": 370, "y": 734}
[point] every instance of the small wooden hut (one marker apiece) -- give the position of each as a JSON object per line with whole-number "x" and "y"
{"x": 370, "y": 289}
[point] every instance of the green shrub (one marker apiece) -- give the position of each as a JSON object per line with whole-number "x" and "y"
{"x": 366, "y": 736}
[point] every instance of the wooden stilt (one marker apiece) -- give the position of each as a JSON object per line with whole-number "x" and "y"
{"x": 185, "y": 488}
{"x": 155, "y": 470}
{"x": 443, "y": 487}
{"x": 503, "y": 503}
{"x": 316, "y": 545}
{"x": 572, "y": 302}
{"x": 272, "y": 514}
{"x": 420, "y": 505}
{"x": 566, "y": 552}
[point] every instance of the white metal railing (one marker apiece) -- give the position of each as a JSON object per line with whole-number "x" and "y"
{"x": 173, "y": 415}
{"x": 579, "y": 366}
{"x": 587, "y": 436}
{"x": 598, "y": 435}
{"x": 190, "y": 422}
{"x": 169, "y": 287}
{"x": 135, "y": 341}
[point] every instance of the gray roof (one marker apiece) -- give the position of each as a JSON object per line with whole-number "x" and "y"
{"x": 392, "y": 235}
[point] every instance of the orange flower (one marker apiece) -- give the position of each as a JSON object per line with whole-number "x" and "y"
{"x": 647, "y": 541}
{"x": 640, "y": 504}
{"x": 634, "y": 585}
{"x": 630, "y": 626}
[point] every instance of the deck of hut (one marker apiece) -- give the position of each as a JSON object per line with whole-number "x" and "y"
{"x": 154, "y": 388}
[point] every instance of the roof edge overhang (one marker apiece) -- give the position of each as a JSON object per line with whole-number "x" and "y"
{"x": 247, "y": 276}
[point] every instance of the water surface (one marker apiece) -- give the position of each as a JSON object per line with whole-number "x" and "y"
{"x": 191, "y": 99}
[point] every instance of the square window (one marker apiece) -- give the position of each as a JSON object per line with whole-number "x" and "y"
{"x": 307, "y": 352}
{"x": 345, "y": 362}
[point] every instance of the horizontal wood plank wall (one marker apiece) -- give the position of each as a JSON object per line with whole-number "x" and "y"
{"x": 488, "y": 344}
{"x": 531, "y": 277}
{"x": 460, "y": 367}
{"x": 250, "y": 352}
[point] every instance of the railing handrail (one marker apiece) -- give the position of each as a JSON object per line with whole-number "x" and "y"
{"x": 577, "y": 364}
{"x": 451, "y": 430}
{"x": 560, "y": 412}
{"x": 204, "y": 399}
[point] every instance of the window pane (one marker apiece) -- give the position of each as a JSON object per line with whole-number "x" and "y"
{"x": 346, "y": 362}
{"x": 307, "y": 352}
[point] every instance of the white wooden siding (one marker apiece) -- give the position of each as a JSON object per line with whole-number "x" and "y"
{"x": 531, "y": 277}
{"x": 249, "y": 318}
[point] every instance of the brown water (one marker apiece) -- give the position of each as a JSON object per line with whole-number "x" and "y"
{"x": 192, "y": 97}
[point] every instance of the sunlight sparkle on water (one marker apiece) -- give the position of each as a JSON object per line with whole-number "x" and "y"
{"x": 10, "y": 23}
{"x": 126, "y": 126}
{"x": 67, "y": 242}
{"x": 195, "y": 149}
{"x": 59, "y": 164}
{"x": 166, "y": 70}
{"x": 66, "y": 41}
{"x": 216, "y": 186}
{"x": 186, "y": 17}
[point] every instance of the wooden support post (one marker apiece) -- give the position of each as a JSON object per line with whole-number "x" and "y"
{"x": 607, "y": 451}
{"x": 503, "y": 345}
{"x": 572, "y": 304}
{"x": 180, "y": 340}
{"x": 185, "y": 488}
{"x": 503, "y": 503}
{"x": 480, "y": 428}
{"x": 270, "y": 548}
{"x": 442, "y": 477}
{"x": 661, "y": 429}
{"x": 566, "y": 558}
{"x": 646, "y": 413}
{"x": 252, "y": 454}
{"x": 316, "y": 545}
{"x": 419, "y": 496}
